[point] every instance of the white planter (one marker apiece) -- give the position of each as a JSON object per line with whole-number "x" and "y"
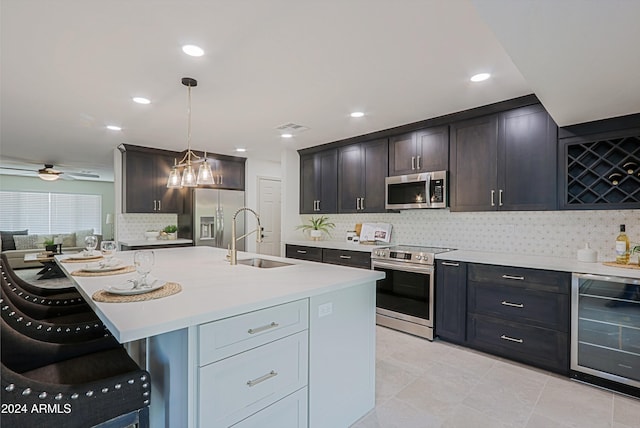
{"x": 316, "y": 235}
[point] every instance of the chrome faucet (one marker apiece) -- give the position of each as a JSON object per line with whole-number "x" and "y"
{"x": 233, "y": 251}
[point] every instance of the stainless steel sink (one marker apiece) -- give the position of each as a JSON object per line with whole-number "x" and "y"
{"x": 263, "y": 263}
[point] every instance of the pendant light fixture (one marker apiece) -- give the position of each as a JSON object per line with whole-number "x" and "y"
{"x": 189, "y": 178}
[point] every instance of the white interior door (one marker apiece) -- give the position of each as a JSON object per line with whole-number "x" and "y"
{"x": 269, "y": 208}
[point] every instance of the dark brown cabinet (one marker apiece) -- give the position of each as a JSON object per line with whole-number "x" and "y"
{"x": 228, "y": 171}
{"x": 520, "y": 313}
{"x": 419, "y": 151}
{"x": 362, "y": 169}
{"x": 451, "y": 301}
{"x": 319, "y": 182}
{"x": 505, "y": 161}
{"x": 301, "y": 252}
{"x": 144, "y": 185}
{"x": 351, "y": 258}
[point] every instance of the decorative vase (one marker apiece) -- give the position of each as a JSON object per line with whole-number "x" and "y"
{"x": 316, "y": 235}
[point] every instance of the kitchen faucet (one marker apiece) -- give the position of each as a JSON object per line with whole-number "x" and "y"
{"x": 233, "y": 251}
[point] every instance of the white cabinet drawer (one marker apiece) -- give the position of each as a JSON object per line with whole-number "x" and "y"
{"x": 230, "y": 336}
{"x": 290, "y": 412}
{"x": 236, "y": 387}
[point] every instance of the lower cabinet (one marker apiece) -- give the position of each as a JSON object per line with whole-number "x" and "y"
{"x": 290, "y": 412}
{"x": 351, "y": 258}
{"x": 300, "y": 252}
{"x": 451, "y": 301}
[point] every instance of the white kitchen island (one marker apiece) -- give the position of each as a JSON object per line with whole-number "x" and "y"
{"x": 290, "y": 346}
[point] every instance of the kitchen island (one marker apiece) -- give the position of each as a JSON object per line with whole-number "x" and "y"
{"x": 254, "y": 346}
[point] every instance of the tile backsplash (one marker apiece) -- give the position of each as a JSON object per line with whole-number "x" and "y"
{"x": 133, "y": 226}
{"x": 545, "y": 233}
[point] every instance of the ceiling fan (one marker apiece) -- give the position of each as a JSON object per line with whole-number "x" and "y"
{"x": 48, "y": 173}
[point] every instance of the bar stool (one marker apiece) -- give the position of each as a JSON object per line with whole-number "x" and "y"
{"x": 27, "y": 286}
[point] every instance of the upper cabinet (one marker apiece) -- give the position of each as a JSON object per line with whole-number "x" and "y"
{"x": 144, "y": 184}
{"x": 505, "y": 161}
{"x": 419, "y": 151}
{"x": 362, "y": 169}
{"x": 228, "y": 171}
{"x": 319, "y": 182}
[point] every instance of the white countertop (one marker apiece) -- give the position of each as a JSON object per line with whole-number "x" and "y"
{"x": 145, "y": 242}
{"x": 538, "y": 262}
{"x": 337, "y": 245}
{"x": 211, "y": 289}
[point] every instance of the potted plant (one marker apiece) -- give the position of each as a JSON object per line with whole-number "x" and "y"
{"x": 317, "y": 226}
{"x": 49, "y": 245}
{"x": 170, "y": 232}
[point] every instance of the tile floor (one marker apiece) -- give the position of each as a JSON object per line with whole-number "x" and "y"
{"x": 422, "y": 384}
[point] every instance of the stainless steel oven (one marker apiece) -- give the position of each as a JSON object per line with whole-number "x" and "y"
{"x": 405, "y": 297}
{"x": 605, "y": 330}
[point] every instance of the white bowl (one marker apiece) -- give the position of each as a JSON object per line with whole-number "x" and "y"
{"x": 151, "y": 235}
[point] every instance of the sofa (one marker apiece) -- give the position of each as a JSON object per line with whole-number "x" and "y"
{"x": 15, "y": 244}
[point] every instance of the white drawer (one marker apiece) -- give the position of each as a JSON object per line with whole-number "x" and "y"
{"x": 236, "y": 387}
{"x": 290, "y": 412}
{"x": 230, "y": 336}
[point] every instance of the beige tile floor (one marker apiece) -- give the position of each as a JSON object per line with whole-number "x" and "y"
{"x": 422, "y": 384}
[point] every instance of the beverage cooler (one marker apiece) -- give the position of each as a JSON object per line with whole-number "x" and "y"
{"x": 605, "y": 336}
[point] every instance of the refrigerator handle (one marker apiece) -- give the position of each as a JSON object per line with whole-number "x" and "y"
{"x": 220, "y": 232}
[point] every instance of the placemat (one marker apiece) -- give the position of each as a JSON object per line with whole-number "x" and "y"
{"x": 614, "y": 264}
{"x": 166, "y": 290}
{"x": 91, "y": 259}
{"x": 124, "y": 269}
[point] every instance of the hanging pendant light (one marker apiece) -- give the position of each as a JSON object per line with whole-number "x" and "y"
{"x": 189, "y": 178}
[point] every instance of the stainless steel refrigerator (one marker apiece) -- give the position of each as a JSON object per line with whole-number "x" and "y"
{"x": 213, "y": 211}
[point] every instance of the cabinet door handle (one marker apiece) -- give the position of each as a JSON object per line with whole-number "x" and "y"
{"x": 159, "y": 205}
{"x": 624, "y": 366}
{"x": 500, "y": 197}
{"x": 513, "y": 305}
{"x": 413, "y": 162}
{"x": 345, "y": 257}
{"x": 262, "y": 328}
{"x": 517, "y": 278}
{"x": 450, "y": 264}
{"x": 318, "y": 204}
{"x": 260, "y": 379}
{"x": 493, "y": 198}
{"x": 418, "y": 162}
{"x": 301, "y": 251}
{"x": 221, "y": 178}
{"x": 511, "y": 339}
{"x": 361, "y": 203}
{"x": 357, "y": 204}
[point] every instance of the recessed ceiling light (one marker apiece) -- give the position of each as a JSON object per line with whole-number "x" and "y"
{"x": 240, "y": 149}
{"x": 192, "y": 50}
{"x": 357, "y": 114}
{"x": 480, "y": 77}
{"x": 114, "y": 128}
{"x": 141, "y": 100}
{"x": 286, "y": 135}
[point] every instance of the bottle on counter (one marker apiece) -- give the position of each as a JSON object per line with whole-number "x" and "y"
{"x": 622, "y": 246}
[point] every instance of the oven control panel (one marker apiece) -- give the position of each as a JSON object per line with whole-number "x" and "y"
{"x": 402, "y": 256}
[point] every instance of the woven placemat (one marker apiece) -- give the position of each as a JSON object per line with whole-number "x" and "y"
{"x": 166, "y": 290}
{"x": 89, "y": 259}
{"x": 620, "y": 265}
{"x": 124, "y": 269}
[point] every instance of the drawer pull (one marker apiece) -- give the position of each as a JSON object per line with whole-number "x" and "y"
{"x": 345, "y": 257}
{"x": 256, "y": 381}
{"x": 263, "y": 328}
{"x": 519, "y": 278}
{"x": 513, "y": 305}
{"x": 450, "y": 264}
{"x": 302, "y": 251}
{"x": 511, "y": 339}
{"x": 624, "y": 366}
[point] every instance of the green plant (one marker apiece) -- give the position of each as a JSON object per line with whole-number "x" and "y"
{"x": 172, "y": 228}
{"x": 48, "y": 242}
{"x": 321, "y": 223}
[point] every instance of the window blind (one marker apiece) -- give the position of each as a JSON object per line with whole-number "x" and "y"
{"x": 42, "y": 212}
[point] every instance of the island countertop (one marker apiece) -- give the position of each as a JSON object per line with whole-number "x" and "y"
{"x": 211, "y": 289}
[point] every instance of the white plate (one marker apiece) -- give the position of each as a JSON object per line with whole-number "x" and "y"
{"x": 128, "y": 290}
{"x": 102, "y": 267}
{"x": 82, "y": 256}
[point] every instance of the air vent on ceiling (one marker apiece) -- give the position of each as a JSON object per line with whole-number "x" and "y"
{"x": 292, "y": 128}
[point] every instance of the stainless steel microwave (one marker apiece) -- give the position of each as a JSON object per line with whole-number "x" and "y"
{"x": 424, "y": 190}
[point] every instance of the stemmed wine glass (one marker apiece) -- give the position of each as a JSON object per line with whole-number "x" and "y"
{"x": 90, "y": 244}
{"x": 108, "y": 250}
{"x": 143, "y": 261}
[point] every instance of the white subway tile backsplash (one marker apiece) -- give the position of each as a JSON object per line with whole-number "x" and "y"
{"x": 546, "y": 233}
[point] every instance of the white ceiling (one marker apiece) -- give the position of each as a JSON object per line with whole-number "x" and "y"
{"x": 70, "y": 67}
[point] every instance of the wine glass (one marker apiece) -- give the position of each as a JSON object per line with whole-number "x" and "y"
{"x": 90, "y": 244}
{"x": 108, "y": 250}
{"x": 143, "y": 261}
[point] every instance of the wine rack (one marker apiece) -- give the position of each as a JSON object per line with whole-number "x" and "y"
{"x": 602, "y": 173}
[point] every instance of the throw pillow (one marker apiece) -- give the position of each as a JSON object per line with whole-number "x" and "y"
{"x": 40, "y": 240}
{"x": 26, "y": 242}
{"x": 81, "y": 234}
{"x": 8, "y": 243}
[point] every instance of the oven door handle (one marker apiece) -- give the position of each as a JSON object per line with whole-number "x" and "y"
{"x": 405, "y": 268}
